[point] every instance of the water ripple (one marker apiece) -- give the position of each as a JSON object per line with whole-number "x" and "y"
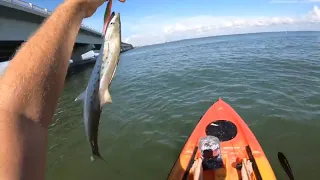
{"x": 160, "y": 92}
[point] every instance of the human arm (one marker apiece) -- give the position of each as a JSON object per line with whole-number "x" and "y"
{"x": 30, "y": 88}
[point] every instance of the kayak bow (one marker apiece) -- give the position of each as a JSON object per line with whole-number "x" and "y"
{"x": 235, "y": 142}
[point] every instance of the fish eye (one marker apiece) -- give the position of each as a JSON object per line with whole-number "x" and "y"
{"x": 112, "y": 23}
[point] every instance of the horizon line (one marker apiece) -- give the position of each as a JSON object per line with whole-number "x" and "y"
{"x": 250, "y": 33}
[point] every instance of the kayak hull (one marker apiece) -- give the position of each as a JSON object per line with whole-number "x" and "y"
{"x": 236, "y": 142}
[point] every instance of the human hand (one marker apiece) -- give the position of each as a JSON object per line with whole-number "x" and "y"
{"x": 89, "y": 7}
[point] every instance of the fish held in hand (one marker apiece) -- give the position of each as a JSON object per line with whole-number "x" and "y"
{"x": 97, "y": 92}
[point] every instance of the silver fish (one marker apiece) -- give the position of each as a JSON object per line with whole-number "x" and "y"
{"x": 97, "y": 92}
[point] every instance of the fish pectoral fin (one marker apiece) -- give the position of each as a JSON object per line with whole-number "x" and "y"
{"x": 106, "y": 98}
{"x": 81, "y": 96}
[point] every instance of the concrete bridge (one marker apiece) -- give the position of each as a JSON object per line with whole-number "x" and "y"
{"x": 19, "y": 19}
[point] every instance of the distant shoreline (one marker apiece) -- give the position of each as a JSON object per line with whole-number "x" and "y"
{"x": 237, "y": 34}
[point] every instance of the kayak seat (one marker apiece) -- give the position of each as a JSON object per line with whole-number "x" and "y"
{"x": 224, "y": 130}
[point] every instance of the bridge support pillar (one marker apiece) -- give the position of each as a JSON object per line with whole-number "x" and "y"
{"x": 78, "y": 51}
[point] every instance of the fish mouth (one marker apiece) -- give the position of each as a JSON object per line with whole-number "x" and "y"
{"x": 115, "y": 18}
{"x": 112, "y": 15}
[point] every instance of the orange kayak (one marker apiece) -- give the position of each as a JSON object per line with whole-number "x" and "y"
{"x": 234, "y": 141}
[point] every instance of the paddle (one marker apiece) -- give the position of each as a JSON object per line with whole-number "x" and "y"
{"x": 285, "y": 165}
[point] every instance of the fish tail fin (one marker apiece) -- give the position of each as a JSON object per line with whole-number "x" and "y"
{"x": 95, "y": 156}
{"x": 101, "y": 158}
{"x": 95, "y": 148}
{"x": 95, "y": 153}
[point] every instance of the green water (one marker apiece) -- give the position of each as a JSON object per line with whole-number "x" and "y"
{"x": 160, "y": 92}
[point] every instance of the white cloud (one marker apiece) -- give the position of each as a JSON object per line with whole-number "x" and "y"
{"x": 314, "y": 15}
{"x": 154, "y": 30}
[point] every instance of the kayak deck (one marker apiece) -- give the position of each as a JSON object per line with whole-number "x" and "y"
{"x": 236, "y": 143}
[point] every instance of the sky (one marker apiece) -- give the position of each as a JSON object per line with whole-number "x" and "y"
{"x": 146, "y": 22}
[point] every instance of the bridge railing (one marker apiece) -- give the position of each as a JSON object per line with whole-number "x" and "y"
{"x": 43, "y": 11}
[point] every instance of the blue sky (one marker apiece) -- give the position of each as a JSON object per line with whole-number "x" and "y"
{"x": 151, "y": 21}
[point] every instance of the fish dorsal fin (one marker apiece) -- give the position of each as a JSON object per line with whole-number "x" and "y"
{"x": 81, "y": 96}
{"x": 106, "y": 98}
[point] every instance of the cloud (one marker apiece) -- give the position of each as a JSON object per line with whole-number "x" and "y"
{"x": 154, "y": 30}
{"x": 314, "y": 15}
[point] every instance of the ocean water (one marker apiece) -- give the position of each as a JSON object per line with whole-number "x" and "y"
{"x": 159, "y": 92}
